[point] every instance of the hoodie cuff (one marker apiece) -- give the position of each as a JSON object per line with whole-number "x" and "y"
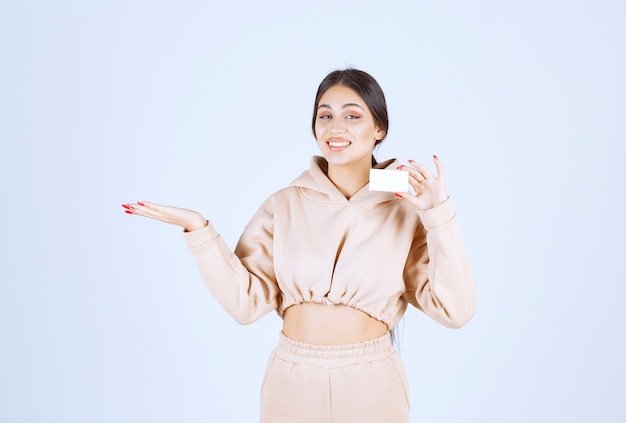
{"x": 437, "y": 216}
{"x": 200, "y": 236}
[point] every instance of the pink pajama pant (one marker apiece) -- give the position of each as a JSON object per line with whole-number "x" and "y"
{"x": 363, "y": 382}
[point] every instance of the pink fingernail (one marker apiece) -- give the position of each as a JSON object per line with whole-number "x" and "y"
{"x": 411, "y": 161}
{"x": 435, "y": 156}
{"x": 400, "y": 167}
{"x": 398, "y": 195}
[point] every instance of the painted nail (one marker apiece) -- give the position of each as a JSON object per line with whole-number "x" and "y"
{"x": 128, "y": 211}
{"x": 126, "y": 206}
{"x": 411, "y": 161}
{"x": 435, "y": 157}
{"x": 140, "y": 203}
{"x": 398, "y": 195}
{"x": 400, "y": 167}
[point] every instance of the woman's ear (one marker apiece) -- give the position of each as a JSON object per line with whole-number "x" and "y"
{"x": 380, "y": 134}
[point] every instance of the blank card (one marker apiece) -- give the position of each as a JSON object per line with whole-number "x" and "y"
{"x": 389, "y": 180}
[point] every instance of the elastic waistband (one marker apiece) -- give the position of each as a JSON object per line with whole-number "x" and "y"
{"x": 334, "y": 355}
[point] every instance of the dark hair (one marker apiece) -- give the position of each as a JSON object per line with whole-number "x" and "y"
{"x": 365, "y": 86}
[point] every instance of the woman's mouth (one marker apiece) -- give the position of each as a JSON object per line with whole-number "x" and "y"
{"x": 338, "y": 145}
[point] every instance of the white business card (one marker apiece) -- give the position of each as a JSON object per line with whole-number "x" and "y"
{"x": 389, "y": 180}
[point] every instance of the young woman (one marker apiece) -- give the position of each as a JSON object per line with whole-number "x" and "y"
{"x": 338, "y": 263}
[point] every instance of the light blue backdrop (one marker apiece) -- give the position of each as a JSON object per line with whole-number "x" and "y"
{"x": 206, "y": 105}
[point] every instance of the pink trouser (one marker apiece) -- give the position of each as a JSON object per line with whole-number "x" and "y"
{"x": 362, "y": 382}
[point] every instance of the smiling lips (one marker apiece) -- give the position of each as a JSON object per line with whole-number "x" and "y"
{"x": 338, "y": 145}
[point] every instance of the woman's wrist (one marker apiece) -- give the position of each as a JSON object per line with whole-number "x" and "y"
{"x": 199, "y": 223}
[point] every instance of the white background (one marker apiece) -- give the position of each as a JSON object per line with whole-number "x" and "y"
{"x": 207, "y": 105}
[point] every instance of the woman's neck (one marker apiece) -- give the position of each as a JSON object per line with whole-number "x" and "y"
{"x": 349, "y": 178}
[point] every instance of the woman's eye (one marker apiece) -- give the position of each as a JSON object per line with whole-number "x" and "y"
{"x": 325, "y": 117}
{"x": 352, "y": 116}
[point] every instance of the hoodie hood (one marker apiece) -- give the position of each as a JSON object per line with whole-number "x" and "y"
{"x": 314, "y": 185}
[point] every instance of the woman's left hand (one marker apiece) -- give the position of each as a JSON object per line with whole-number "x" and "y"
{"x": 430, "y": 190}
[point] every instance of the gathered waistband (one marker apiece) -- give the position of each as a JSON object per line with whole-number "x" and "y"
{"x": 334, "y": 355}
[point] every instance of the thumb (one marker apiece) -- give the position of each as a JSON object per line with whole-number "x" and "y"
{"x": 413, "y": 199}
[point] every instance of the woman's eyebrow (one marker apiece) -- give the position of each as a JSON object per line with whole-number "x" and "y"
{"x": 343, "y": 107}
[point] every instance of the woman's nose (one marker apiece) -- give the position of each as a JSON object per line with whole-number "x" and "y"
{"x": 338, "y": 126}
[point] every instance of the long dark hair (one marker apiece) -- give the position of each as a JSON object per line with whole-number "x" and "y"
{"x": 365, "y": 86}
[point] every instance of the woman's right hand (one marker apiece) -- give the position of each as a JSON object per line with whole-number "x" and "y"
{"x": 190, "y": 220}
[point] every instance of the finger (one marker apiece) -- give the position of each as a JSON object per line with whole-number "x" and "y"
{"x": 416, "y": 186}
{"x": 414, "y": 173}
{"x": 413, "y": 180}
{"x": 145, "y": 209}
{"x": 422, "y": 169}
{"x": 438, "y": 166}
{"x": 418, "y": 176}
{"x": 153, "y": 210}
{"x": 136, "y": 210}
{"x": 410, "y": 198}
{"x": 149, "y": 206}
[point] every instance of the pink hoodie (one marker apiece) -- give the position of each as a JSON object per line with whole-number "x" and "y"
{"x": 373, "y": 252}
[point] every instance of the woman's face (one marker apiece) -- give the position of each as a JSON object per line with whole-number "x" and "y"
{"x": 345, "y": 128}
